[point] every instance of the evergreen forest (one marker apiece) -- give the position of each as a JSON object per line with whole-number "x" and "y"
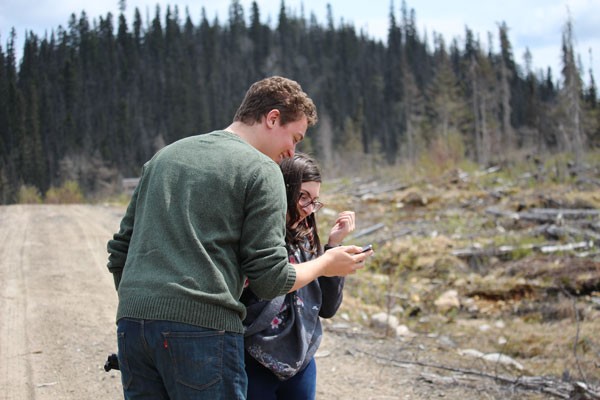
{"x": 91, "y": 102}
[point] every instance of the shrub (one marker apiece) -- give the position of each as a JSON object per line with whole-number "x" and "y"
{"x": 68, "y": 193}
{"x": 28, "y": 195}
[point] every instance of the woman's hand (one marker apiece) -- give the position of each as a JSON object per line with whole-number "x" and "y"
{"x": 344, "y": 224}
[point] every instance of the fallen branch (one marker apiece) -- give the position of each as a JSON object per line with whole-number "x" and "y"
{"x": 369, "y": 230}
{"x": 564, "y": 390}
{"x": 566, "y": 247}
{"x": 545, "y": 214}
{"x": 568, "y": 213}
{"x": 558, "y": 231}
{"x": 505, "y": 249}
{"x": 379, "y": 189}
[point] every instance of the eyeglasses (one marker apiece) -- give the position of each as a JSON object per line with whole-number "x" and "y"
{"x": 305, "y": 200}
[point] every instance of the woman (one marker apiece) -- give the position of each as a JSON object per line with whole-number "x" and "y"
{"x": 282, "y": 335}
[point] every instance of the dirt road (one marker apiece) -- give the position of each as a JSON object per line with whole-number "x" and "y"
{"x": 58, "y": 303}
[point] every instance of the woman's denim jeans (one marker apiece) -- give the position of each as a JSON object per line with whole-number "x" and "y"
{"x": 170, "y": 360}
{"x": 264, "y": 384}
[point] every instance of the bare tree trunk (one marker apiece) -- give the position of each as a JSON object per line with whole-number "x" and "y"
{"x": 571, "y": 96}
{"x": 475, "y": 105}
{"x": 485, "y": 134}
{"x": 508, "y": 136}
{"x": 325, "y": 140}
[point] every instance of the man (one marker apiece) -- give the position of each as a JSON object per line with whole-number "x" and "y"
{"x": 209, "y": 212}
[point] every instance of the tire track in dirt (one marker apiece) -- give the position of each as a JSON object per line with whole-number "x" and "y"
{"x": 66, "y": 300}
{"x": 15, "y": 366}
{"x": 106, "y": 223}
{"x": 86, "y": 291}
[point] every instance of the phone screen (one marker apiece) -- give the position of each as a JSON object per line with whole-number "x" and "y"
{"x": 367, "y": 248}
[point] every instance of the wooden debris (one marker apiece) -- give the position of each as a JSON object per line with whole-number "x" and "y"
{"x": 369, "y": 230}
{"x": 545, "y": 214}
{"x": 559, "y": 389}
{"x": 379, "y": 189}
{"x": 505, "y": 250}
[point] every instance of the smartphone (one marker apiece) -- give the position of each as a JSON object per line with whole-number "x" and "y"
{"x": 367, "y": 248}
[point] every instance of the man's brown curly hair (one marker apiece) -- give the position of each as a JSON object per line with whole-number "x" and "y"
{"x": 278, "y": 93}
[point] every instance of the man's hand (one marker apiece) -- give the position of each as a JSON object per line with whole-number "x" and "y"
{"x": 339, "y": 261}
{"x": 344, "y": 260}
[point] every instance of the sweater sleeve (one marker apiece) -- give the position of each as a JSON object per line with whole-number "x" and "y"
{"x": 118, "y": 246}
{"x": 263, "y": 254}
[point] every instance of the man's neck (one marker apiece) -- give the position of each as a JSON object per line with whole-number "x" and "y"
{"x": 246, "y": 132}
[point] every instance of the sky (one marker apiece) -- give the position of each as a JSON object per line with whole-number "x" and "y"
{"x": 533, "y": 24}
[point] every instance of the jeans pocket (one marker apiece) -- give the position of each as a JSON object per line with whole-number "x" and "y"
{"x": 126, "y": 375}
{"x": 197, "y": 357}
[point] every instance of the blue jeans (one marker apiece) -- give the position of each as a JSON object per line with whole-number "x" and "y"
{"x": 170, "y": 360}
{"x": 264, "y": 385}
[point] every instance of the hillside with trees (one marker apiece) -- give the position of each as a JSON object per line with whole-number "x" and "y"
{"x": 91, "y": 102}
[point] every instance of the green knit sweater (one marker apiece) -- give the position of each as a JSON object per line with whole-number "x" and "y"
{"x": 208, "y": 212}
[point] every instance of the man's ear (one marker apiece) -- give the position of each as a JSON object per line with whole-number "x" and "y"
{"x": 272, "y": 117}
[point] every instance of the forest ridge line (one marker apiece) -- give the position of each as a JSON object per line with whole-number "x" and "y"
{"x": 93, "y": 103}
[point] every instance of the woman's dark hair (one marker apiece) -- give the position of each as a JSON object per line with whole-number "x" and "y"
{"x": 296, "y": 170}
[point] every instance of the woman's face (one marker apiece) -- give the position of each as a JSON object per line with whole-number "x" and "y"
{"x": 309, "y": 200}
